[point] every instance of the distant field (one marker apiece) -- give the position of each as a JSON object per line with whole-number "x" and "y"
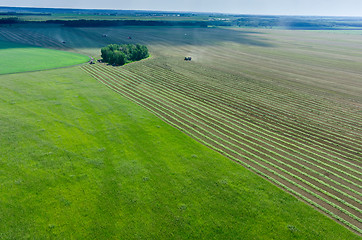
{"x": 60, "y": 16}
{"x": 285, "y": 104}
{"x": 20, "y": 58}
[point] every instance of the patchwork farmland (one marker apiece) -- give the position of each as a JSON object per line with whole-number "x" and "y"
{"x": 285, "y": 104}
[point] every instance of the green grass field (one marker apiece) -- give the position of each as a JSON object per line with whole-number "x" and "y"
{"x": 79, "y": 161}
{"x": 21, "y": 58}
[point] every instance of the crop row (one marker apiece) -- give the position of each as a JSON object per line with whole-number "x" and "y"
{"x": 296, "y": 128}
{"x": 235, "y": 60}
{"x": 339, "y": 159}
{"x": 284, "y": 99}
{"x": 355, "y": 119}
{"x": 288, "y": 116}
{"x": 275, "y": 126}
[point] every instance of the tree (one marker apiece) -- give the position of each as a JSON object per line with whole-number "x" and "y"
{"x": 119, "y": 58}
{"x": 120, "y": 54}
{"x": 106, "y": 54}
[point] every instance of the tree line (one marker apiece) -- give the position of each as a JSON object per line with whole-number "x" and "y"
{"x": 110, "y": 23}
{"x": 9, "y": 20}
{"x": 116, "y": 54}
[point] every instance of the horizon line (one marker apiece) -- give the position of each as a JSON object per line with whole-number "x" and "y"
{"x": 182, "y": 11}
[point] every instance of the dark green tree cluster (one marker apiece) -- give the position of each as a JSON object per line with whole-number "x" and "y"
{"x": 120, "y": 54}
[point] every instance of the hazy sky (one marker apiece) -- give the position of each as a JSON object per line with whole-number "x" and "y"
{"x": 282, "y": 7}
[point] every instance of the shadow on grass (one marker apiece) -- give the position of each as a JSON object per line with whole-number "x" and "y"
{"x": 178, "y": 36}
{"x": 9, "y": 45}
{"x": 82, "y": 38}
